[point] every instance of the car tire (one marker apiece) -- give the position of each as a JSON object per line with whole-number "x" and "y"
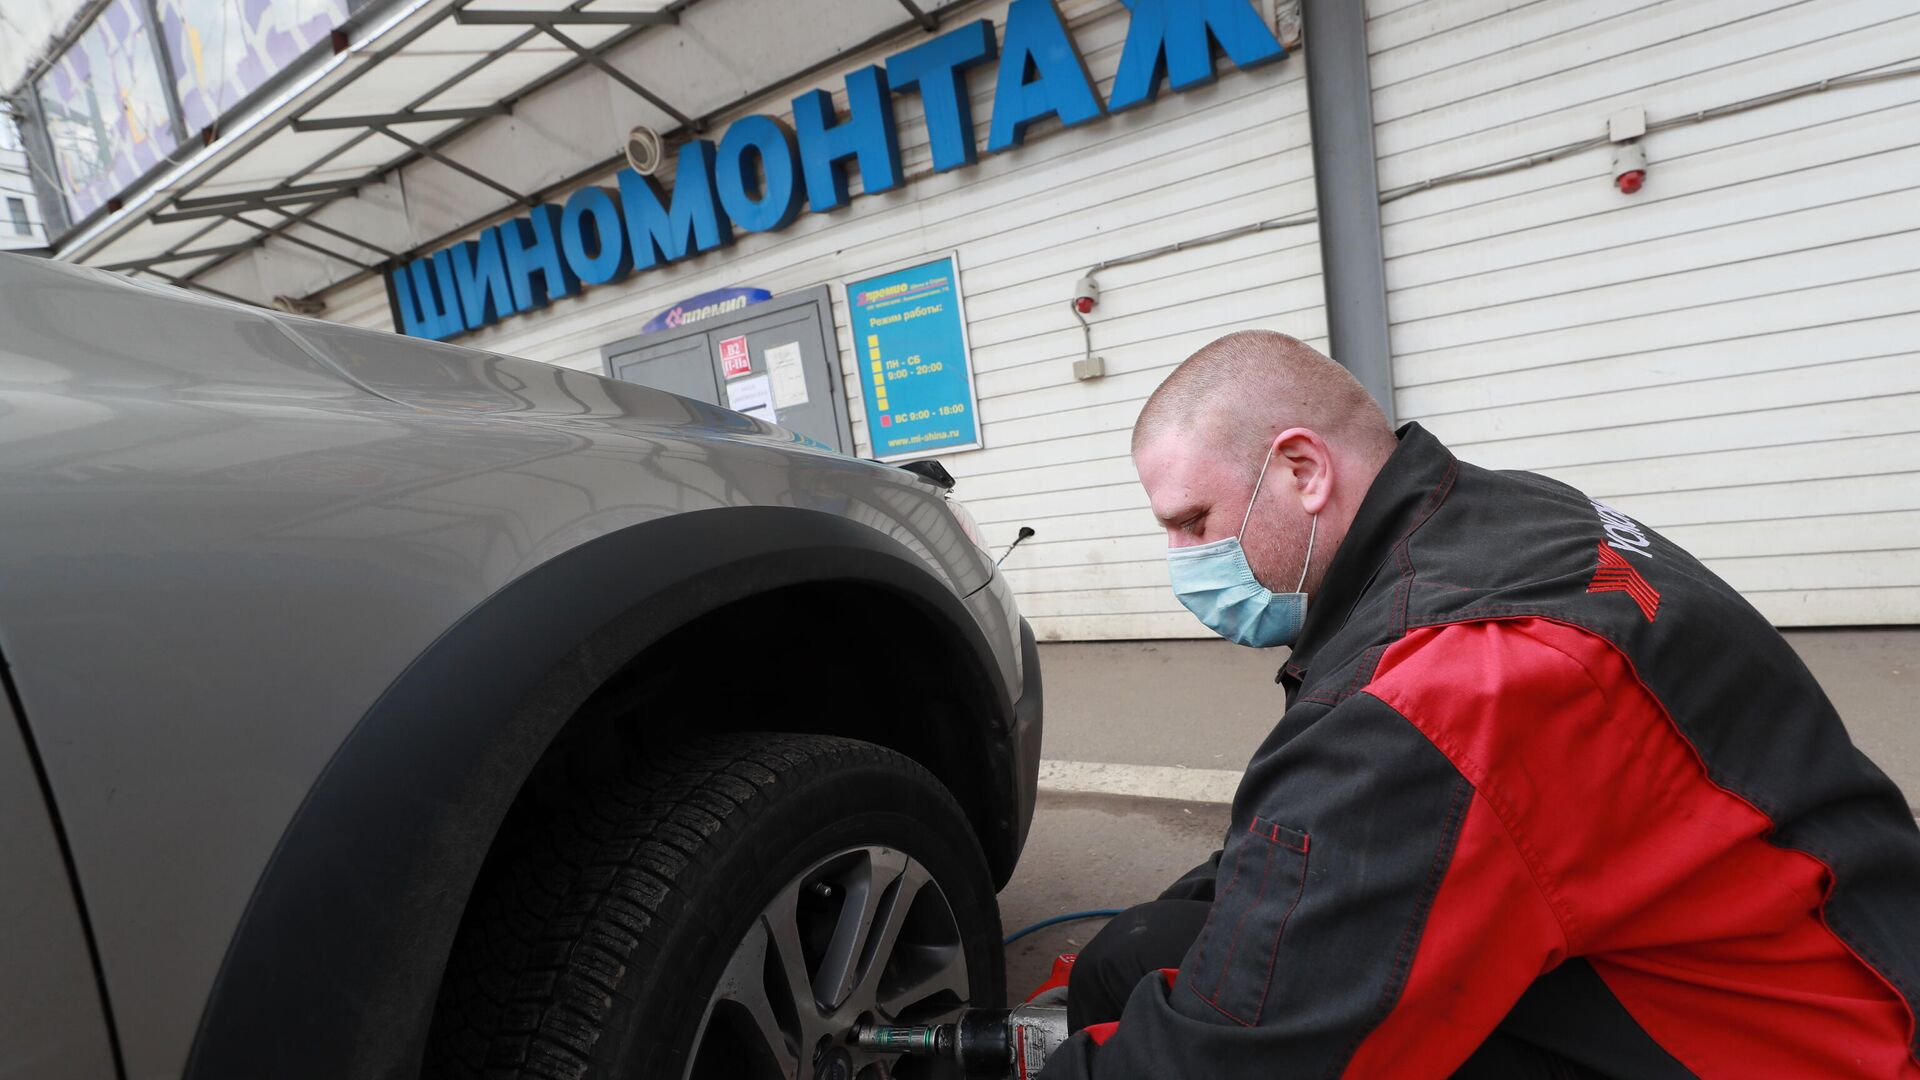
{"x": 648, "y": 926}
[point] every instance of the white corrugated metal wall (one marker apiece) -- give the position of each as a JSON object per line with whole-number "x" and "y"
{"x": 1730, "y": 354}
{"x": 1025, "y": 225}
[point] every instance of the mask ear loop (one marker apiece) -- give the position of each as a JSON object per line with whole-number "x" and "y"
{"x": 1257, "y": 481}
{"x": 1313, "y": 527}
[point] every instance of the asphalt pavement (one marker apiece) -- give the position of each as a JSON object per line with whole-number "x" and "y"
{"x": 1176, "y": 718}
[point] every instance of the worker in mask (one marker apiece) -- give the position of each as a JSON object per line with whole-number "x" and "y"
{"x": 1548, "y": 797}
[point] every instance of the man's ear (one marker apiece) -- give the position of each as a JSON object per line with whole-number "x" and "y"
{"x": 1309, "y": 464}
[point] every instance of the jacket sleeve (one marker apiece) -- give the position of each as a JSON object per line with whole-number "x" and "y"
{"x": 1198, "y": 883}
{"x": 1370, "y": 904}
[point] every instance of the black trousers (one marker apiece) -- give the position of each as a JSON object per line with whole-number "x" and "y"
{"x": 1151, "y": 936}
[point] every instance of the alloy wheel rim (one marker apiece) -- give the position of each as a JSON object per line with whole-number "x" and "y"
{"x": 863, "y": 935}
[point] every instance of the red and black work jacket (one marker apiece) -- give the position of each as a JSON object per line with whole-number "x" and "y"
{"x": 1527, "y": 735}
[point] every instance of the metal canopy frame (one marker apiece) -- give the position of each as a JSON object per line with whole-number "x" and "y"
{"x": 335, "y": 123}
{"x": 280, "y": 191}
{"x": 594, "y": 57}
{"x": 177, "y": 255}
{"x": 308, "y": 244}
{"x": 224, "y": 207}
{"x": 295, "y": 203}
{"x": 426, "y": 150}
{"x": 491, "y": 17}
{"x": 927, "y": 22}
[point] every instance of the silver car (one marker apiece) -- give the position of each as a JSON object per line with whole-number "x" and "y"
{"x": 376, "y": 708}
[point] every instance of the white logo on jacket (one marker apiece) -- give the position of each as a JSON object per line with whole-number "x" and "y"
{"x": 1623, "y": 533}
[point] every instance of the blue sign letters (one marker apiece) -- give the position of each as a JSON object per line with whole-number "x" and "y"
{"x": 689, "y": 222}
{"x": 428, "y": 311}
{"x": 1176, "y": 38}
{"x": 592, "y": 237}
{"x": 771, "y": 202}
{"x": 532, "y": 245}
{"x": 480, "y": 272}
{"x": 1037, "y": 40}
{"x": 938, "y": 68}
{"x": 867, "y": 135}
{"x": 758, "y": 174}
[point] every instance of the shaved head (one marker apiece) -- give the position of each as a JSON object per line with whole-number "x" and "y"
{"x": 1258, "y": 399}
{"x": 1243, "y": 389}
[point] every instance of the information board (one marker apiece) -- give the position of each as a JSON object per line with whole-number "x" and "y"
{"x": 910, "y": 342}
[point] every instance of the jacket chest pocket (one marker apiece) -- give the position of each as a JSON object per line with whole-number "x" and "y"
{"x": 1263, "y": 878}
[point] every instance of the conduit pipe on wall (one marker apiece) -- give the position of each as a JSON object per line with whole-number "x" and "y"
{"x": 1481, "y": 172}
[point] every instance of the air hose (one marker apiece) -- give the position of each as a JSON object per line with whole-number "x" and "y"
{"x": 1072, "y": 916}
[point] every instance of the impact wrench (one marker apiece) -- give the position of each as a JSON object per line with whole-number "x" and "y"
{"x": 991, "y": 1044}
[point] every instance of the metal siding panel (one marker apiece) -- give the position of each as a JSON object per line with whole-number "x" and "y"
{"x": 1790, "y": 459}
{"x": 1726, "y": 355}
{"x": 1661, "y": 293}
{"x": 1710, "y": 70}
{"x": 1742, "y": 394}
{"x": 1811, "y": 572}
{"x": 1191, "y": 293}
{"x": 1800, "y": 348}
{"x": 1839, "y": 607}
{"x": 1108, "y": 497}
{"x": 1135, "y": 626}
{"x": 1854, "y": 532}
{"x": 1739, "y": 320}
{"x": 1883, "y": 493}
{"x": 1077, "y": 552}
{"x": 1148, "y": 573}
{"x": 1421, "y": 40}
{"x": 1815, "y": 150}
{"x": 1546, "y": 45}
{"x": 1149, "y": 600}
{"x": 1762, "y": 236}
{"x": 1651, "y": 443}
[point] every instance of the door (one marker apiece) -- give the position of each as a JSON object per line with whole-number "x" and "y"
{"x": 51, "y": 1023}
{"x": 790, "y": 358}
{"x": 678, "y": 367}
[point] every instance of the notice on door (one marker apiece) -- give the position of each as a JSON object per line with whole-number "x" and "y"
{"x": 788, "y": 374}
{"x": 754, "y": 397}
{"x": 910, "y": 343}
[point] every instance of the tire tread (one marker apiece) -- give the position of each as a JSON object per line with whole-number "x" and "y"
{"x": 589, "y": 892}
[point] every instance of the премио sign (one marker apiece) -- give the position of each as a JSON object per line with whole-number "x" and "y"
{"x": 910, "y": 344}
{"x": 707, "y": 305}
{"x": 757, "y": 176}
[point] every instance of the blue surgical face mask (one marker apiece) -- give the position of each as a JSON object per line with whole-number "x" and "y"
{"x": 1215, "y": 582}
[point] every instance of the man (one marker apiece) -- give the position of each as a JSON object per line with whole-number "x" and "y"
{"x": 1548, "y": 798}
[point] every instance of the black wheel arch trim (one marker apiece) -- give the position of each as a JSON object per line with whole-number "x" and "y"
{"x": 336, "y": 964}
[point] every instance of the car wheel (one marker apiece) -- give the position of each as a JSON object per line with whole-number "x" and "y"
{"x": 725, "y": 910}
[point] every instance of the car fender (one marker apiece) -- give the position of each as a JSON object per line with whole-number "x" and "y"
{"x": 337, "y": 961}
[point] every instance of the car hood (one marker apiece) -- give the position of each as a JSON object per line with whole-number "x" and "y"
{"x": 449, "y": 379}
{"x": 89, "y": 335}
